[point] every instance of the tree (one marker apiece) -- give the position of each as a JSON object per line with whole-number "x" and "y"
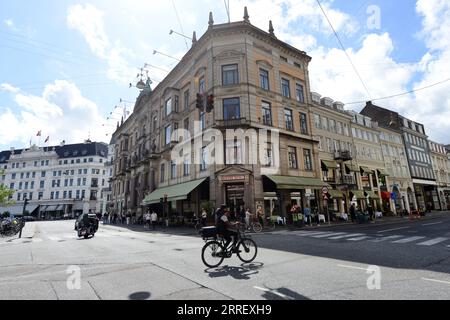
{"x": 5, "y": 193}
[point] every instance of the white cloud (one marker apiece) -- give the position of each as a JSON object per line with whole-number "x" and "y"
{"x": 8, "y": 88}
{"x": 88, "y": 20}
{"x": 61, "y": 113}
{"x": 9, "y": 23}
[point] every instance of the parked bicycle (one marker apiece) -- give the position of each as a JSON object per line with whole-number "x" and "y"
{"x": 273, "y": 222}
{"x": 254, "y": 226}
{"x": 214, "y": 251}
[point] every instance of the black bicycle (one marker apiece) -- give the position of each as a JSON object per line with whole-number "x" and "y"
{"x": 11, "y": 227}
{"x": 214, "y": 251}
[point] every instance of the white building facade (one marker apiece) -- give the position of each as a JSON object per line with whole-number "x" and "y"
{"x": 64, "y": 180}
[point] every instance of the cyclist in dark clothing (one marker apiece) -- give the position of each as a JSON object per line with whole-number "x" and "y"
{"x": 220, "y": 212}
{"x": 224, "y": 227}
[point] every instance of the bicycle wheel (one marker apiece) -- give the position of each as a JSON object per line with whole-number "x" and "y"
{"x": 257, "y": 227}
{"x": 212, "y": 254}
{"x": 247, "y": 250}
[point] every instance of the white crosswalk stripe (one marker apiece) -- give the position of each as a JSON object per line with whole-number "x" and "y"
{"x": 386, "y": 238}
{"x": 329, "y": 234}
{"x": 407, "y": 240}
{"x": 432, "y": 242}
{"x": 359, "y": 238}
{"x": 347, "y": 236}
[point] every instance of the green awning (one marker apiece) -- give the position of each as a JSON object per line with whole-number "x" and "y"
{"x": 373, "y": 195}
{"x": 358, "y": 194}
{"x": 330, "y": 165}
{"x": 297, "y": 183}
{"x": 352, "y": 168}
{"x": 366, "y": 170}
{"x": 174, "y": 193}
{"x": 336, "y": 194}
{"x": 383, "y": 173}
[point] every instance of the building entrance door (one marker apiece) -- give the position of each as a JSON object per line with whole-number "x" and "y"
{"x": 235, "y": 197}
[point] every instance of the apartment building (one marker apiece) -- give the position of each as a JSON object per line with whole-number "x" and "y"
{"x": 441, "y": 168}
{"x": 258, "y": 83}
{"x": 418, "y": 154}
{"x": 59, "y": 180}
{"x": 397, "y": 187}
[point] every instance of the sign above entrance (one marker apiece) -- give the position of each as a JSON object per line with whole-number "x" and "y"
{"x": 232, "y": 178}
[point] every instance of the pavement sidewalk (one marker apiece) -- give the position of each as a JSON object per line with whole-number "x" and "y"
{"x": 186, "y": 231}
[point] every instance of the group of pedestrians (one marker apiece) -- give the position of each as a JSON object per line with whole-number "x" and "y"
{"x": 150, "y": 219}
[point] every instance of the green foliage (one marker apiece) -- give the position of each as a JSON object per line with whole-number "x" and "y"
{"x": 5, "y": 193}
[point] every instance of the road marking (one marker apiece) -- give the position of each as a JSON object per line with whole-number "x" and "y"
{"x": 393, "y": 229}
{"x": 53, "y": 238}
{"x": 432, "y": 242}
{"x": 431, "y": 224}
{"x": 385, "y": 239}
{"x": 309, "y": 233}
{"x": 274, "y": 292}
{"x": 329, "y": 234}
{"x": 358, "y": 238}
{"x": 352, "y": 267}
{"x": 433, "y": 280}
{"x": 347, "y": 236}
{"x": 410, "y": 239}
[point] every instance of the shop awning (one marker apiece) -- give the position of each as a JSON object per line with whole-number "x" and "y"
{"x": 330, "y": 165}
{"x": 352, "y": 168}
{"x": 358, "y": 194}
{"x": 50, "y": 208}
{"x": 174, "y": 193}
{"x": 297, "y": 183}
{"x": 383, "y": 173}
{"x": 373, "y": 195}
{"x": 17, "y": 210}
{"x": 366, "y": 170}
{"x": 336, "y": 194}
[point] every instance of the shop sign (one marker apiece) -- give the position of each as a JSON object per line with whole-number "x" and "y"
{"x": 232, "y": 178}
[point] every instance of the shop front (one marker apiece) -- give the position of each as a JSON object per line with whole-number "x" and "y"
{"x": 177, "y": 204}
{"x": 426, "y": 195}
{"x": 290, "y": 191}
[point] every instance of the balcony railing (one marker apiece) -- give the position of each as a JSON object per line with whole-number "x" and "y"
{"x": 343, "y": 155}
{"x": 348, "y": 180}
{"x": 232, "y": 123}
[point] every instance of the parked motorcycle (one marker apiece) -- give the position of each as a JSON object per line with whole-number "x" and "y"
{"x": 10, "y": 227}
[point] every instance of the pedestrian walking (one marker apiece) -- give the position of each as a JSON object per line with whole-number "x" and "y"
{"x": 147, "y": 220}
{"x": 248, "y": 216}
{"x": 154, "y": 218}
{"x": 353, "y": 212}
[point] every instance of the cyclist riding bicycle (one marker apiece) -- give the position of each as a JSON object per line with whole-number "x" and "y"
{"x": 225, "y": 227}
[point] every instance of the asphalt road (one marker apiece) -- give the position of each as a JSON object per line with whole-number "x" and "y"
{"x": 402, "y": 261}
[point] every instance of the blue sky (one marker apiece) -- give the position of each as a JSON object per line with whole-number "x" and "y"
{"x": 65, "y": 64}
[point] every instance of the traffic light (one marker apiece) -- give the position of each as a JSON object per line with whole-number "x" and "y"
{"x": 210, "y": 103}
{"x": 200, "y": 102}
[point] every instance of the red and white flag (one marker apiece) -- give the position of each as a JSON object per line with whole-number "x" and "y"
{"x": 46, "y": 140}
{"x": 39, "y": 133}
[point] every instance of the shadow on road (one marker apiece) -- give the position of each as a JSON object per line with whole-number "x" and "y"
{"x": 139, "y": 296}
{"x": 242, "y": 272}
{"x": 283, "y": 294}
